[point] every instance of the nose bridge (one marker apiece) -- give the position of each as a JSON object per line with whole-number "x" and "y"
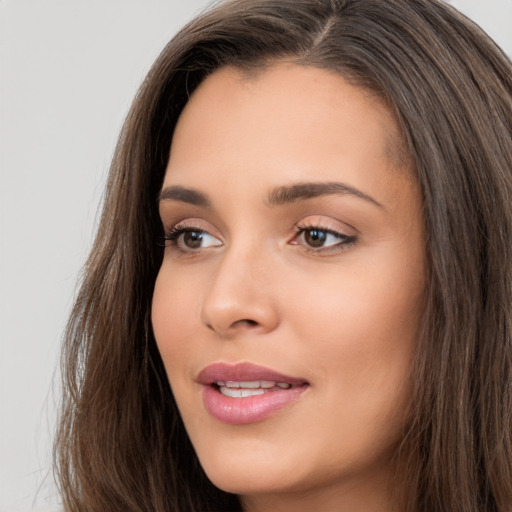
{"x": 240, "y": 295}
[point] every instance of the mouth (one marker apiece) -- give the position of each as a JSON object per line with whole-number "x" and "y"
{"x": 246, "y": 393}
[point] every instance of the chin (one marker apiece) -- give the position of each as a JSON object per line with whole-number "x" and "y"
{"x": 253, "y": 472}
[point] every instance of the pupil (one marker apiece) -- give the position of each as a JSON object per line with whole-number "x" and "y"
{"x": 315, "y": 237}
{"x": 193, "y": 239}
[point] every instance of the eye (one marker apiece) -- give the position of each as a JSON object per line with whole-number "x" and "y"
{"x": 190, "y": 239}
{"x": 321, "y": 239}
{"x": 318, "y": 237}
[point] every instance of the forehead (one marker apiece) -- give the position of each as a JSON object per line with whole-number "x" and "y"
{"x": 283, "y": 91}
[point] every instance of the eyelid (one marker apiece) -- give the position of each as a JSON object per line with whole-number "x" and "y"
{"x": 190, "y": 223}
{"x": 326, "y": 223}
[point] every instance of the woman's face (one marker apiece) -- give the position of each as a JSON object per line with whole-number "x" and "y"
{"x": 287, "y": 306}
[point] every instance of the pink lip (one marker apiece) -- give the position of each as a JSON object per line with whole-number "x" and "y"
{"x": 248, "y": 409}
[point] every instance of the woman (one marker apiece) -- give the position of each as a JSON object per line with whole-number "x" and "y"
{"x": 325, "y": 322}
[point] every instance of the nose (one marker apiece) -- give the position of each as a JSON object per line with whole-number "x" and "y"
{"x": 240, "y": 298}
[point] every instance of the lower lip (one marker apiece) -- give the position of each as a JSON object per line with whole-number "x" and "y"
{"x": 250, "y": 409}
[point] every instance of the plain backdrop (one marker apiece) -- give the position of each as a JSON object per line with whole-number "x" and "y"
{"x": 68, "y": 72}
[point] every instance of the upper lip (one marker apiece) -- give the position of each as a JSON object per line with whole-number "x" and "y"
{"x": 243, "y": 372}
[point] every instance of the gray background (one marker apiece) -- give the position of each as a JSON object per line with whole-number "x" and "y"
{"x": 68, "y": 72}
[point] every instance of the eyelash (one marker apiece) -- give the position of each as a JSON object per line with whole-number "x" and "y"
{"x": 171, "y": 239}
{"x": 176, "y": 231}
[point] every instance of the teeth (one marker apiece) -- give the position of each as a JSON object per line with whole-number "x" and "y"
{"x": 253, "y": 387}
{"x": 240, "y": 393}
{"x": 250, "y": 384}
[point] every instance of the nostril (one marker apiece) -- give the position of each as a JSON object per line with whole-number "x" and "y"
{"x": 245, "y": 321}
{"x": 238, "y": 324}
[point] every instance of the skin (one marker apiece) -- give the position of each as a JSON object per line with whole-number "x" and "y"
{"x": 344, "y": 316}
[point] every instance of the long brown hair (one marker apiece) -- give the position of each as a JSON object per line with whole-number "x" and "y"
{"x": 121, "y": 444}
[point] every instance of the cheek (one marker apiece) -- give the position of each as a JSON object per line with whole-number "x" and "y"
{"x": 174, "y": 304}
{"x": 361, "y": 351}
{"x": 368, "y": 303}
{"x": 359, "y": 328}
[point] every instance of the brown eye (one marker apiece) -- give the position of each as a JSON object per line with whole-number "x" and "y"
{"x": 190, "y": 239}
{"x": 315, "y": 237}
{"x": 321, "y": 240}
{"x": 193, "y": 239}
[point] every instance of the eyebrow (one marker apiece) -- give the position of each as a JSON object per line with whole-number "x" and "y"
{"x": 184, "y": 195}
{"x": 301, "y": 191}
{"x": 279, "y": 196}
